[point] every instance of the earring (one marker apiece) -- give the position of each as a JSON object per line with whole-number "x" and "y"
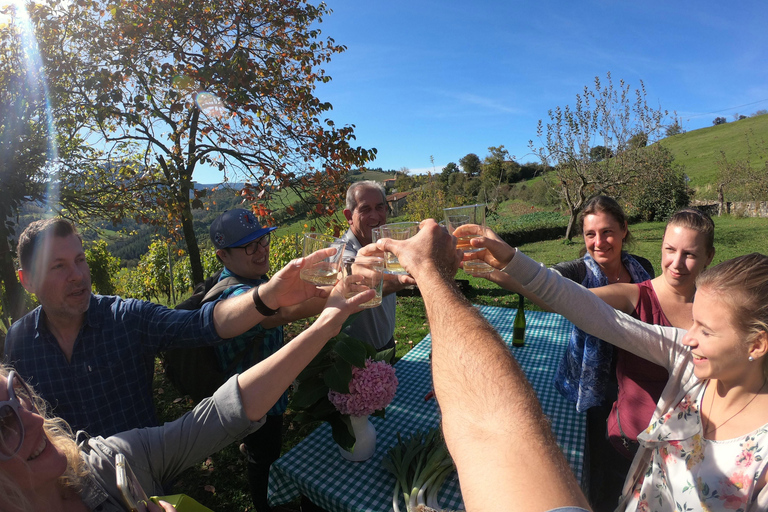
{"x": 751, "y": 359}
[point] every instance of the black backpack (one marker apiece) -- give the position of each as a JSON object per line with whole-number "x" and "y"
{"x": 195, "y": 371}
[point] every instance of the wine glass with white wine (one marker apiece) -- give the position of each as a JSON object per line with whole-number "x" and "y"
{"x": 326, "y": 271}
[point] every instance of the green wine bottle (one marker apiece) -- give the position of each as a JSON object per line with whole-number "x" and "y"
{"x": 518, "y": 332}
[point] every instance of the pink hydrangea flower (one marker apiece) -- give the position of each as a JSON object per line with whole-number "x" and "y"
{"x": 371, "y": 388}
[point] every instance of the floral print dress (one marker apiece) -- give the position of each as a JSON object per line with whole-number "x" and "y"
{"x": 676, "y": 479}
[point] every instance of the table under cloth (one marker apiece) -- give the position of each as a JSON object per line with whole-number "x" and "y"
{"x": 315, "y": 468}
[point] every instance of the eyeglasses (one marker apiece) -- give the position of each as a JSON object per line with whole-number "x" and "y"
{"x": 251, "y": 247}
{"x": 11, "y": 426}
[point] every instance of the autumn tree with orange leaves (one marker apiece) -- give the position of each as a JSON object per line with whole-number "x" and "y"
{"x": 226, "y": 84}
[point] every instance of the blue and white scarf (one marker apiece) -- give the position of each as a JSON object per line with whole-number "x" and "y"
{"x": 585, "y": 368}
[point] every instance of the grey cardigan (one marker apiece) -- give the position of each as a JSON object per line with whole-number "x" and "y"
{"x": 159, "y": 454}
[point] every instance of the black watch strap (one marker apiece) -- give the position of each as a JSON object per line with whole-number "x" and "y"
{"x": 260, "y": 306}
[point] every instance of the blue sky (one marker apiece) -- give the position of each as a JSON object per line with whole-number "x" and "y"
{"x": 446, "y": 78}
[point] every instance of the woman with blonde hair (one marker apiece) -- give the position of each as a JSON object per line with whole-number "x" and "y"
{"x": 703, "y": 449}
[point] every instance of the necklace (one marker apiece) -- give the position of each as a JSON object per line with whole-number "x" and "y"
{"x": 618, "y": 277}
{"x": 712, "y": 402}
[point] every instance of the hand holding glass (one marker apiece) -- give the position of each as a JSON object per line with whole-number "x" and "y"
{"x": 466, "y": 223}
{"x": 396, "y": 231}
{"x": 326, "y": 271}
{"x": 368, "y": 274}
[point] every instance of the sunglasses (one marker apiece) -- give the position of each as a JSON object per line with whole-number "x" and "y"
{"x": 252, "y": 247}
{"x": 11, "y": 426}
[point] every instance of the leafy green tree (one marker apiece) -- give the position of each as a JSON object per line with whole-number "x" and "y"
{"x": 471, "y": 165}
{"x": 185, "y": 85}
{"x": 674, "y": 129}
{"x": 605, "y": 116}
{"x": 448, "y": 171}
{"x": 637, "y": 141}
{"x": 403, "y": 180}
{"x": 426, "y": 202}
{"x": 104, "y": 267}
{"x": 23, "y": 150}
{"x": 661, "y": 190}
{"x": 497, "y": 168}
{"x": 456, "y": 187}
{"x": 598, "y": 153}
{"x": 472, "y": 188}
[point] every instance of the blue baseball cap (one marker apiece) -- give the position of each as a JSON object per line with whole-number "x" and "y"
{"x": 234, "y": 228}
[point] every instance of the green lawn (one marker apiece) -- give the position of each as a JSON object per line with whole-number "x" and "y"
{"x": 220, "y": 481}
{"x": 699, "y": 150}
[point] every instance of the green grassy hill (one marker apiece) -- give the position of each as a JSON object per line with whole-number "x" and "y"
{"x": 699, "y": 150}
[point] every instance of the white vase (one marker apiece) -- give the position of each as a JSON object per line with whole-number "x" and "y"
{"x": 365, "y": 440}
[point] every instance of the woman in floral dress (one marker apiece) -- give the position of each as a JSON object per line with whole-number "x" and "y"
{"x": 705, "y": 448}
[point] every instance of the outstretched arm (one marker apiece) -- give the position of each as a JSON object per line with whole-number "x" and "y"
{"x": 494, "y": 427}
{"x": 235, "y": 315}
{"x": 498, "y": 254}
{"x": 263, "y": 384}
{"x": 621, "y": 296}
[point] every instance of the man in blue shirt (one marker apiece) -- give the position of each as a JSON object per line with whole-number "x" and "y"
{"x": 242, "y": 245}
{"x": 92, "y": 356}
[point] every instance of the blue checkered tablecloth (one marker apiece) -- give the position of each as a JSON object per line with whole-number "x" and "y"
{"x": 315, "y": 468}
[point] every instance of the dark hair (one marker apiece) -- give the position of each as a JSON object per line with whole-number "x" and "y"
{"x": 32, "y": 238}
{"x": 742, "y": 283}
{"x": 695, "y": 220}
{"x": 607, "y": 205}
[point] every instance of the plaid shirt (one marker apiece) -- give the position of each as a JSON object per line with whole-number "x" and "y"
{"x": 272, "y": 341}
{"x": 106, "y": 387}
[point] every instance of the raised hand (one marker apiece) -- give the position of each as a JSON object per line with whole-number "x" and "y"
{"x": 286, "y": 288}
{"x": 397, "y": 279}
{"x": 432, "y": 249}
{"x": 338, "y": 307}
{"x": 498, "y": 253}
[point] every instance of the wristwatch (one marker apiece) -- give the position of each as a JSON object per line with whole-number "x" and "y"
{"x": 259, "y": 304}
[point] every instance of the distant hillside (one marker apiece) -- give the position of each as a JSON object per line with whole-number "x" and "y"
{"x": 699, "y": 150}
{"x": 371, "y": 175}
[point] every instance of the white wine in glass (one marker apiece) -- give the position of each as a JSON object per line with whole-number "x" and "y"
{"x": 320, "y": 275}
{"x": 466, "y": 223}
{"x": 326, "y": 271}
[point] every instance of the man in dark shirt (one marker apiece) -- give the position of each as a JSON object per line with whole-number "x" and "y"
{"x": 92, "y": 356}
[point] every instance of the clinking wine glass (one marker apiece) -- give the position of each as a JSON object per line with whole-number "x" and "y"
{"x": 324, "y": 272}
{"x": 367, "y": 273}
{"x": 466, "y": 223}
{"x": 395, "y": 231}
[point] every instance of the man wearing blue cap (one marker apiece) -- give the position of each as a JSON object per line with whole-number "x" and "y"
{"x": 242, "y": 245}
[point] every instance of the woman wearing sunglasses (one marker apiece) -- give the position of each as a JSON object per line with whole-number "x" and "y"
{"x": 43, "y": 467}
